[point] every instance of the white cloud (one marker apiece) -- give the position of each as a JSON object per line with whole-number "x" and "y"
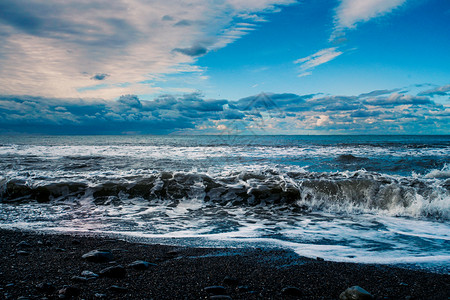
{"x": 54, "y": 48}
{"x": 351, "y": 12}
{"x": 316, "y": 59}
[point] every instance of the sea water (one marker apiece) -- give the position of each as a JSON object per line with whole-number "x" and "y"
{"x": 370, "y": 199}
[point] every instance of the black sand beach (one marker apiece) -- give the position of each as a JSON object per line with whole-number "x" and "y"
{"x": 39, "y": 266}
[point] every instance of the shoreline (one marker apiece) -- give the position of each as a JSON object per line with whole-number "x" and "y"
{"x": 30, "y": 260}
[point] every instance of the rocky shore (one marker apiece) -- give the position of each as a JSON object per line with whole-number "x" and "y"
{"x": 43, "y": 266}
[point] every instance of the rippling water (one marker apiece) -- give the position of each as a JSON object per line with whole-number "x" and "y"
{"x": 348, "y": 198}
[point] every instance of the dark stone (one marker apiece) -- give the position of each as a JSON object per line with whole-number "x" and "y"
{"x": 99, "y": 256}
{"x": 118, "y": 289}
{"x": 223, "y": 297}
{"x": 46, "y": 287}
{"x": 76, "y": 242}
{"x": 243, "y": 289}
{"x": 114, "y": 272}
{"x": 230, "y": 281}
{"x": 291, "y": 291}
{"x": 82, "y": 278}
{"x": 60, "y": 250}
{"x": 355, "y": 293}
{"x": 141, "y": 265}
{"x": 24, "y": 298}
{"x": 70, "y": 291}
{"x": 215, "y": 290}
{"x": 24, "y": 244}
{"x": 21, "y": 252}
{"x": 100, "y": 296}
{"x": 320, "y": 259}
{"x": 89, "y": 274}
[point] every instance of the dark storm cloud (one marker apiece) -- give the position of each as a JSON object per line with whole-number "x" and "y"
{"x": 364, "y": 113}
{"x": 58, "y": 21}
{"x": 193, "y": 51}
{"x": 183, "y": 23}
{"x": 167, "y": 18}
{"x": 396, "y": 113}
{"x": 95, "y": 116}
{"x": 100, "y": 76}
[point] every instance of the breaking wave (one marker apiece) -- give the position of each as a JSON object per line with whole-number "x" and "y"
{"x": 342, "y": 192}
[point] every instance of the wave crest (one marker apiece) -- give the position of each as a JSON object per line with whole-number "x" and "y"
{"x": 348, "y": 192}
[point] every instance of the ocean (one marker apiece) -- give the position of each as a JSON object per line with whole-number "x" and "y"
{"x": 367, "y": 199}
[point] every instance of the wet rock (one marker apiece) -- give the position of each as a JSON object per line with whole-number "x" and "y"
{"x": 230, "y": 281}
{"x": 99, "y": 256}
{"x": 82, "y": 278}
{"x": 114, "y": 272}
{"x": 355, "y": 293}
{"x": 215, "y": 290}
{"x": 320, "y": 259}
{"x": 118, "y": 289}
{"x": 141, "y": 265}
{"x": 69, "y": 291}
{"x": 60, "y": 249}
{"x": 22, "y": 252}
{"x": 24, "y": 244}
{"x": 89, "y": 274}
{"x": 217, "y": 297}
{"x": 76, "y": 242}
{"x": 291, "y": 291}
{"x": 24, "y": 298}
{"x": 45, "y": 287}
{"x": 100, "y": 296}
{"x": 243, "y": 289}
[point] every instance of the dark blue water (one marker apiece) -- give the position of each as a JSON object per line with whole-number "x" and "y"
{"x": 356, "y": 198}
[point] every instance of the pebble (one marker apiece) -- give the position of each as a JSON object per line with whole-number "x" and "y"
{"x": 141, "y": 265}
{"x": 291, "y": 291}
{"x": 243, "y": 288}
{"x": 99, "y": 295}
{"x": 21, "y": 252}
{"x": 98, "y": 256}
{"x": 230, "y": 281}
{"x": 118, "y": 289}
{"x": 82, "y": 278}
{"x": 215, "y": 290}
{"x": 355, "y": 293}
{"x": 223, "y": 297}
{"x": 46, "y": 287}
{"x": 113, "y": 272}
{"x": 23, "y": 244}
{"x": 89, "y": 274}
{"x": 69, "y": 291}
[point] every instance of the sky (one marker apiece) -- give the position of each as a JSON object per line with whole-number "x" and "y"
{"x": 225, "y": 66}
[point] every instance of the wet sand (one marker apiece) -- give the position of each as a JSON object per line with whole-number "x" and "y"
{"x": 39, "y": 266}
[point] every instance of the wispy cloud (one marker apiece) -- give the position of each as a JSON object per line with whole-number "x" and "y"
{"x": 351, "y": 12}
{"x": 439, "y": 91}
{"x": 55, "y": 48}
{"x": 320, "y": 57}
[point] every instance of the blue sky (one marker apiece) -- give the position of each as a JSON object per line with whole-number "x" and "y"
{"x": 195, "y": 67}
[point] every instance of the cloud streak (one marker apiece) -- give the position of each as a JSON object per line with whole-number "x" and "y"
{"x": 320, "y": 57}
{"x": 351, "y": 12}
{"x": 52, "y": 48}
